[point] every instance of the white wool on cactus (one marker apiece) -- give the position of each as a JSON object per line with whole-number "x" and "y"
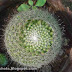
{"x": 33, "y": 38}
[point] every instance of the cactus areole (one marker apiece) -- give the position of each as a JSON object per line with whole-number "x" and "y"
{"x": 33, "y": 38}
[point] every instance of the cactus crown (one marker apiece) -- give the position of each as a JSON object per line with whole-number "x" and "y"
{"x": 33, "y": 38}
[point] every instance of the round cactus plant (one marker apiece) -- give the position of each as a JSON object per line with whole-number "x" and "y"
{"x": 33, "y": 38}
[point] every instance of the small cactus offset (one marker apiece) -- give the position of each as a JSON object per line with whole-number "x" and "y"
{"x": 33, "y": 38}
{"x": 3, "y": 60}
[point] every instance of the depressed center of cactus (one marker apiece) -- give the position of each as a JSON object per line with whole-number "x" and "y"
{"x": 33, "y": 38}
{"x": 36, "y": 37}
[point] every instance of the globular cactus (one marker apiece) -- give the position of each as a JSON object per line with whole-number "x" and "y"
{"x": 33, "y": 38}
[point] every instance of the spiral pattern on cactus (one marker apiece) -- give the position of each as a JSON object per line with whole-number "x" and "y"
{"x": 33, "y": 38}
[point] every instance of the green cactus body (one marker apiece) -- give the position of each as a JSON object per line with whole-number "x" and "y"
{"x": 33, "y": 38}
